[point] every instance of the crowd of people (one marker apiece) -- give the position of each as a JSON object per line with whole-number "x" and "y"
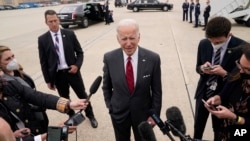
{"x": 191, "y": 8}
{"x": 131, "y": 78}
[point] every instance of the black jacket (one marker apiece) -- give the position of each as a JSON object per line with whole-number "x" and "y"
{"x": 16, "y": 98}
{"x": 48, "y": 57}
{"x": 207, "y": 11}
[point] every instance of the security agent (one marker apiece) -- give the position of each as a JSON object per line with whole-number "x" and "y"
{"x": 191, "y": 9}
{"x": 197, "y": 12}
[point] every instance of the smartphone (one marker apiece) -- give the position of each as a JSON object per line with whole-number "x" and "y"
{"x": 25, "y": 132}
{"x": 57, "y": 133}
{"x": 208, "y": 68}
{"x": 209, "y": 105}
{"x": 75, "y": 120}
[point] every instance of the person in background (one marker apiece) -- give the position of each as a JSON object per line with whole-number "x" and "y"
{"x": 191, "y": 9}
{"x": 10, "y": 67}
{"x": 111, "y": 16}
{"x": 233, "y": 103}
{"x": 106, "y": 12}
{"x": 206, "y": 14}
{"x": 185, "y": 7}
{"x": 197, "y": 12}
{"x": 216, "y": 57}
{"x": 131, "y": 82}
{"x": 61, "y": 58}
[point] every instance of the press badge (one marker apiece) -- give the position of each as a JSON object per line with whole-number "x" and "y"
{"x": 213, "y": 86}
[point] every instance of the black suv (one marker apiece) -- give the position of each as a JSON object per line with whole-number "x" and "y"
{"x": 80, "y": 14}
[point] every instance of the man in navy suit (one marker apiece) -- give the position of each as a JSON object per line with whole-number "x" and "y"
{"x": 206, "y": 14}
{"x": 128, "y": 107}
{"x": 218, "y": 38}
{"x": 185, "y": 7}
{"x": 61, "y": 58}
{"x": 197, "y": 12}
{"x": 191, "y": 9}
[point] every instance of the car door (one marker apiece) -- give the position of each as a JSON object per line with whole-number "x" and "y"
{"x": 144, "y": 4}
{"x": 150, "y": 4}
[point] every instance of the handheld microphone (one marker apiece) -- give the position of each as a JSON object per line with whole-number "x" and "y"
{"x": 94, "y": 87}
{"x": 146, "y": 131}
{"x": 165, "y": 129}
{"x": 78, "y": 118}
{"x": 174, "y": 117}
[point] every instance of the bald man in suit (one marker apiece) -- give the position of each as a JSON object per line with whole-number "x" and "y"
{"x": 128, "y": 107}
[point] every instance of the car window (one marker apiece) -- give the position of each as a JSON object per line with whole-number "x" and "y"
{"x": 68, "y": 9}
{"x": 138, "y": 1}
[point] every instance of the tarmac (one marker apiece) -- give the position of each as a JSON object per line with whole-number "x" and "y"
{"x": 163, "y": 32}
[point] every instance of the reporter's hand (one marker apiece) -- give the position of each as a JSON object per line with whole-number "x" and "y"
{"x": 80, "y": 104}
{"x": 223, "y": 112}
{"x": 215, "y": 100}
{"x": 19, "y": 134}
{"x": 71, "y": 129}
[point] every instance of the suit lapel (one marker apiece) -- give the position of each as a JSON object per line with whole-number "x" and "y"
{"x": 63, "y": 36}
{"x": 120, "y": 67}
{"x": 51, "y": 43}
{"x": 228, "y": 51}
{"x": 142, "y": 64}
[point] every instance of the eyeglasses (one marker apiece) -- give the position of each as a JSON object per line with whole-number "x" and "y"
{"x": 239, "y": 66}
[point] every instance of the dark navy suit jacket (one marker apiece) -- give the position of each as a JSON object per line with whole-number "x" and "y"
{"x": 205, "y": 52}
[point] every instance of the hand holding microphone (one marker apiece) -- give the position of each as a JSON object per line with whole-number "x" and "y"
{"x": 82, "y": 104}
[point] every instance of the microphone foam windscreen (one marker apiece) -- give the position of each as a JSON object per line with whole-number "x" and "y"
{"x": 174, "y": 116}
{"x": 146, "y": 131}
{"x": 95, "y": 85}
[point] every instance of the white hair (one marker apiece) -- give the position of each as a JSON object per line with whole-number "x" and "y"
{"x": 128, "y": 22}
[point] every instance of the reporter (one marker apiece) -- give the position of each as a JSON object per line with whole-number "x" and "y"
{"x": 234, "y": 100}
{"x": 14, "y": 99}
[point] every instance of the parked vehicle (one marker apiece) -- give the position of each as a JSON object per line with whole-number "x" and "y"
{"x": 80, "y": 14}
{"x": 23, "y": 6}
{"x": 2, "y": 7}
{"x": 7, "y": 7}
{"x": 138, "y": 5}
{"x": 120, "y": 3}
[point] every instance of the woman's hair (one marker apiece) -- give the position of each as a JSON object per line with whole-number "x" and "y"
{"x": 2, "y": 50}
{"x": 245, "y": 47}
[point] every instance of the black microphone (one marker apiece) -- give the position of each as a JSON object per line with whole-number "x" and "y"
{"x": 146, "y": 131}
{"x": 78, "y": 118}
{"x": 94, "y": 87}
{"x": 174, "y": 117}
{"x": 165, "y": 129}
